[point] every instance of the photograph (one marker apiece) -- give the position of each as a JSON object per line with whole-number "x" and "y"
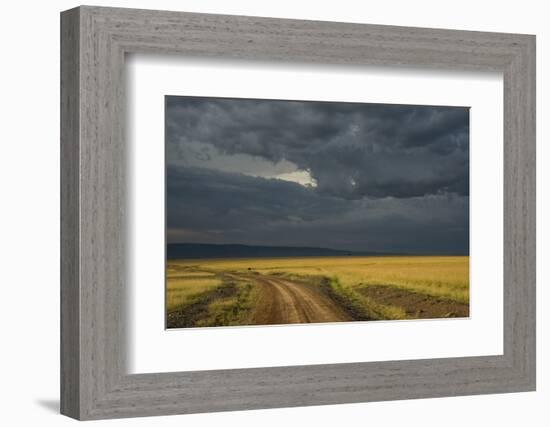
{"x": 288, "y": 212}
{"x": 295, "y": 212}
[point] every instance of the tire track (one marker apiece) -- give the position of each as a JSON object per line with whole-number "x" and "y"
{"x": 282, "y": 301}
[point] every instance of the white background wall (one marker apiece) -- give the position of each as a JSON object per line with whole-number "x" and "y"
{"x": 29, "y": 217}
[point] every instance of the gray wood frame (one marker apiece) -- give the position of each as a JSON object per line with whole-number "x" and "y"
{"x": 94, "y": 382}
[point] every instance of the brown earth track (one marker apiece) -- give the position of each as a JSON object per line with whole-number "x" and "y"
{"x": 416, "y": 305}
{"x": 281, "y": 301}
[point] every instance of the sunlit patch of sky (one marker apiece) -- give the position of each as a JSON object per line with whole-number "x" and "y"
{"x": 205, "y": 155}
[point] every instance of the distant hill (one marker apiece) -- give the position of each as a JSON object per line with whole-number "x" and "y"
{"x": 205, "y": 250}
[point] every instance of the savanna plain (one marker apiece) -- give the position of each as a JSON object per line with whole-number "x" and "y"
{"x": 271, "y": 291}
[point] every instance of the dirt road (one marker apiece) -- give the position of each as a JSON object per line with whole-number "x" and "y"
{"x": 281, "y": 301}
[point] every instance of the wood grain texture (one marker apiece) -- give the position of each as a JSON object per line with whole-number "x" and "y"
{"x": 70, "y": 297}
{"x": 95, "y": 383}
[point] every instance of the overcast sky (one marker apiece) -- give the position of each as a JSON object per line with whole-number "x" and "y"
{"x": 364, "y": 177}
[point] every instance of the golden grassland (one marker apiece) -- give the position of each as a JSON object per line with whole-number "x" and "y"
{"x": 434, "y": 275}
{"x": 352, "y": 281}
{"x": 188, "y": 286}
{"x": 181, "y": 290}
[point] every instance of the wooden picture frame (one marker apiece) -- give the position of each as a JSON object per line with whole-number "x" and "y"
{"x": 94, "y": 382}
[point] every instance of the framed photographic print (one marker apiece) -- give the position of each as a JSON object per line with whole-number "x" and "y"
{"x": 349, "y": 208}
{"x": 282, "y": 212}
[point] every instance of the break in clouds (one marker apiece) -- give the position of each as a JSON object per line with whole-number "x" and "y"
{"x": 362, "y": 177}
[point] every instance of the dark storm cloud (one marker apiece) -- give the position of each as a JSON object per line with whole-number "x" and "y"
{"x": 351, "y": 150}
{"x": 235, "y": 200}
{"x": 209, "y": 206}
{"x": 385, "y": 178}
